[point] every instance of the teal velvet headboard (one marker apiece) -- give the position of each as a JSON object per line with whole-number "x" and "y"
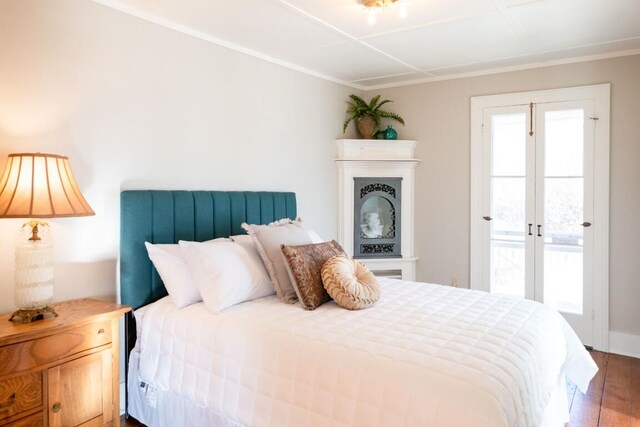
{"x": 169, "y": 216}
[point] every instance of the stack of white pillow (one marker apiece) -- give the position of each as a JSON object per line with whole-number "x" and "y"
{"x": 221, "y": 272}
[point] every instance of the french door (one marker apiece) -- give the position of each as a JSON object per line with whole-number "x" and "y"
{"x": 535, "y": 231}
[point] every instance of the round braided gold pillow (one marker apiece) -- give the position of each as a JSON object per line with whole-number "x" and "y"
{"x": 350, "y": 283}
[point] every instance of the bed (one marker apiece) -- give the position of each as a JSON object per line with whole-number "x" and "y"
{"x": 425, "y": 355}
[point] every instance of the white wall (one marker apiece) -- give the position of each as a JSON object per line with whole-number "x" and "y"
{"x": 438, "y": 115}
{"x": 135, "y": 105}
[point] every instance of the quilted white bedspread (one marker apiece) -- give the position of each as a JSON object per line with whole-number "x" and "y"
{"x": 425, "y": 355}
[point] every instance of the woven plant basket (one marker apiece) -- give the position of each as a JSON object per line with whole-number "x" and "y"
{"x": 366, "y": 127}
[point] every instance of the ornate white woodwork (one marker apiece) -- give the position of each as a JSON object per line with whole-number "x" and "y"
{"x": 378, "y": 159}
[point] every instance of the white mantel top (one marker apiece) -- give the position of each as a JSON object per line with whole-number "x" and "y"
{"x": 375, "y": 149}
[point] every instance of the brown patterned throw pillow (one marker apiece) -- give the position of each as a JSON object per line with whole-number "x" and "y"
{"x": 350, "y": 283}
{"x": 304, "y": 264}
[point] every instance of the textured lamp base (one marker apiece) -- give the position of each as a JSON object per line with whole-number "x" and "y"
{"x": 28, "y": 316}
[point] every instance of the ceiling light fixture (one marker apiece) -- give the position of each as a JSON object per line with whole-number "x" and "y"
{"x": 373, "y": 7}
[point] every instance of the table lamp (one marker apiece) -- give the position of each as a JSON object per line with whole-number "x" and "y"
{"x": 35, "y": 186}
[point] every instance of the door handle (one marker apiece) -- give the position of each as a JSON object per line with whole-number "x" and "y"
{"x": 530, "y": 232}
{"x": 586, "y": 224}
{"x": 539, "y": 230}
{"x": 487, "y": 218}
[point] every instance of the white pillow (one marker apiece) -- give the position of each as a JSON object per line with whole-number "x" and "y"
{"x": 226, "y": 273}
{"x": 175, "y": 273}
{"x": 315, "y": 237}
{"x": 242, "y": 238}
{"x": 268, "y": 240}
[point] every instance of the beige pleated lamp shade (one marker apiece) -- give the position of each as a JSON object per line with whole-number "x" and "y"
{"x": 37, "y": 185}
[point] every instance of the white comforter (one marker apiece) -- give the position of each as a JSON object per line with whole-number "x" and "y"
{"x": 425, "y": 355}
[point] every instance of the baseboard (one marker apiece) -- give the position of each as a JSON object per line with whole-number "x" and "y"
{"x": 624, "y": 344}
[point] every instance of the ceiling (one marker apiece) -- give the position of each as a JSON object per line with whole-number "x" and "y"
{"x": 439, "y": 39}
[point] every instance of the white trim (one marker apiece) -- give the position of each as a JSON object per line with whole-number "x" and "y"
{"x": 600, "y": 94}
{"x": 366, "y": 79}
{"x": 499, "y": 70}
{"x": 575, "y": 93}
{"x": 348, "y": 36}
{"x": 476, "y": 197}
{"x": 123, "y": 402}
{"x": 114, "y": 4}
{"x": 601, "y": 173}
{"x": 375, "y": 149}
{"x": 624, "y": 344}
{"x": 406, "y": 266}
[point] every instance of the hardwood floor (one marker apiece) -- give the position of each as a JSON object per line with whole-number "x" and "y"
{"x": 613, "y": 397}
{"x": 612, "y": 400}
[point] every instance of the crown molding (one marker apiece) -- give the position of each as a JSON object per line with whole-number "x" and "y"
{"x": 499, "y": 70}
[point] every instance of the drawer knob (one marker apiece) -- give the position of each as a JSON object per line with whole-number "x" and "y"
{"x": 9, "y": 403}
{"x": 100, "y": 331}
{"x": 56, "y": 407}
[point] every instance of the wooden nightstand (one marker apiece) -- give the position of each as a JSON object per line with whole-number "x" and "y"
{"x": 62, "y": 371}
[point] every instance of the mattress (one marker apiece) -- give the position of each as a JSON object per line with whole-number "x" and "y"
{"x": 425, "y": 355}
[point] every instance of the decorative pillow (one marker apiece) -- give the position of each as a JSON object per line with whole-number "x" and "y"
{"x": 226, "y": 273}
{"x": 304, "y": 265}
{"x": 350, "y": 283}
{"x": 315, "y": 237}
{"x": 174, "y": 273}
{"x": 268, "y": 239}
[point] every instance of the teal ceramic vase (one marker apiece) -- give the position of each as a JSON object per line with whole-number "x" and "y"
{"x": 390, "y": 133}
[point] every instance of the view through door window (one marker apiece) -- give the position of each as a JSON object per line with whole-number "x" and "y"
{"x": 508, "y": 198}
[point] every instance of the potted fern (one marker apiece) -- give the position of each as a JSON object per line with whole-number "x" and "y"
{"x": 367, "y": 116}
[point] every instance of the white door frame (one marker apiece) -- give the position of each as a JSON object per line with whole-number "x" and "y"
{"x": 600, "y": 94}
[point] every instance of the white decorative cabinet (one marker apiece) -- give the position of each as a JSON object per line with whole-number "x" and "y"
{"x": 381, "y": 162}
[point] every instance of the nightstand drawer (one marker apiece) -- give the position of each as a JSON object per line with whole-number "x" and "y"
{"x": 19, "y": 394}
{"x": 41, "y": 351}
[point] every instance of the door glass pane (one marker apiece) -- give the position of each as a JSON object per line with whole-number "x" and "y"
{"x": 508, "y": 142}
{"x": 564, "y": 150}
{"x": 508, "y": 168}
{"x": 564, "y": 210}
